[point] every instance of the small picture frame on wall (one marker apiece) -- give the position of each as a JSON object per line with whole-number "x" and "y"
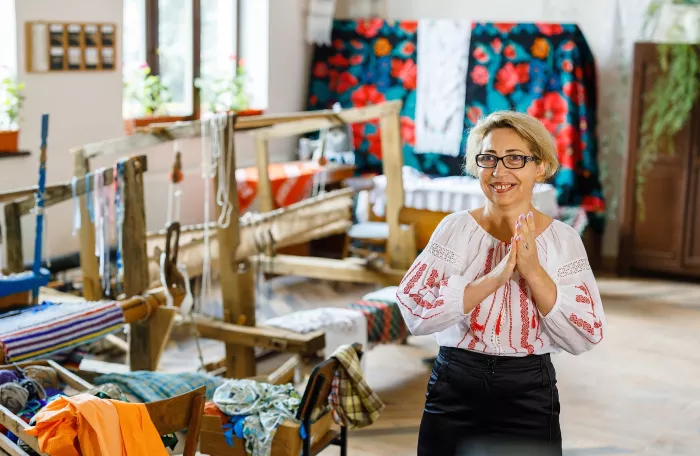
{"x": 91, "y": 35}
{"x": 57, "y": 59}
{"x": 107, "y": 58}
{"x": 91, "y": 58}
{"x": 107, "y": 35}
{"x": 74, "y": 35}
{"x": 74, "y": 58}
{"x": 56, "y": 35}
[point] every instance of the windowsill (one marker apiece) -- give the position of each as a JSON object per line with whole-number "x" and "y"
{"x": 16, "y": 154}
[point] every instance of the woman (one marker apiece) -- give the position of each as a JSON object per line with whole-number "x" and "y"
{"x": 501, "y": 288}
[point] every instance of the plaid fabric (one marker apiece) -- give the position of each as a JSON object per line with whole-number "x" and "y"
{"x": 385, "y": 324}
{"x": 155, "y": 386}
{"x": 352, "y": 401}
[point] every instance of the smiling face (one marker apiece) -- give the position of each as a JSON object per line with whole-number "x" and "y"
{"x": 503, "y": 186}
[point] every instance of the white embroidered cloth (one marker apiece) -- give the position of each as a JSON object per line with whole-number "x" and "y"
{"x": 443, "y": 56}
{"x": 446, "y": 194}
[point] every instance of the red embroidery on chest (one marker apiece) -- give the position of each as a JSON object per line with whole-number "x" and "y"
{"x": 489, "y": 261}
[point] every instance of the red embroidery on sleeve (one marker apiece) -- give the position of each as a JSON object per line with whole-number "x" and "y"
{"x": 586, "y": 298}
{"x": 525, "y": 328}
{"x": 432, "y": 278}
{"x": 412, "y": 281}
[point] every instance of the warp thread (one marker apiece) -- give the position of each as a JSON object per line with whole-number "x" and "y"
{"x": 46, "y": 376}
{"x": 13, "y": 397}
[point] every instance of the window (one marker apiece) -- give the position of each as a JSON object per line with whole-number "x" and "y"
{"x": 180, "y": 41}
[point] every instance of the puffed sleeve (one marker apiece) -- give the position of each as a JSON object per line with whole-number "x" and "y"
{"x": 576, "y": 322}
{"x": 431, "y": 294}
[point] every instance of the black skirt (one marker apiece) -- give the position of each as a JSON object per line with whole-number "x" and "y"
{"x": 480, "y": 404}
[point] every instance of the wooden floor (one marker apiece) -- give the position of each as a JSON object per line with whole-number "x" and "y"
{"x": 638, "y": 393}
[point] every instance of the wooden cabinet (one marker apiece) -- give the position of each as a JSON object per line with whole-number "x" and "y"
{"x": 667, "y": 239}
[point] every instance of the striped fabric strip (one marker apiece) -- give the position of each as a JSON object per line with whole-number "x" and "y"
{"x": 59, "y": 329}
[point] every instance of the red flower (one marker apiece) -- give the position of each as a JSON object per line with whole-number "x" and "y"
{"x": 593, "y": 204}
{"x": 356, "y": 44}
{"x": 408, "y": 130}
{"x": 480, "y": 55}
{"x": 474, "y": 114}
{"x": 567, "y": 66}
{"x": 313, "y": 99}
{"x": 568, "y": 46}
{"x": 333, "y": 80}
{"x": 575, "y": 91}
{"x": 406, "y": 71}
{"x": 346, "y": 81}
{"x": 338, "y": 60}
{"x": 480, "y": 75}
{"x": 509, "y": 52}
{"x": 368, "y": 27}
{"x": 320, "y": 70}
{"x": 579, "y": 73}
{"x": 504, "y": 27}
{"x": 366, "y": 95}
{"x": 408, "y": 48}
{"x": 338, "y": 44}
{"x": 551, "y": 109}
{"x": 550, "y": 29}
{"x": 357, "y": 134}
{"x": 506, "y": 79}
{"x": 356, "y": 59}
{"x": 375, "y": 144}
{"x": 568, "y": 146}
{"x": 497, "y": 45}
{"x": 523, "y": 70}
{"x": 409, "y": 26}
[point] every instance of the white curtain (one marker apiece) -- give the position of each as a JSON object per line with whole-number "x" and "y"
{"x": 8, "y": 38}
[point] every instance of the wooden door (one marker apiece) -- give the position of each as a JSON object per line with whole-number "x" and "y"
{"x": 656, "y": 242}
{"x": 691, "y": 244}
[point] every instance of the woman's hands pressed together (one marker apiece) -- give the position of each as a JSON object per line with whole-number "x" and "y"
{"x": 528, "y": 263}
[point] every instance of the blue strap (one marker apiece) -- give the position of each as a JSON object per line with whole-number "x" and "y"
{"x": 235, "y": 426}
{"x": 302, "y": 431}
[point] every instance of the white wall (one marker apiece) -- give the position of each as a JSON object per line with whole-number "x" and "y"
{"x": 82, "y": 107}
{"x": 609, "y": 35}
{"x": 86, "y": 108}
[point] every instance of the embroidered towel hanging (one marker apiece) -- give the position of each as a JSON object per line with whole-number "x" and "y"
{"x": 443, "y": 54}
{"x": 319, "y": 22}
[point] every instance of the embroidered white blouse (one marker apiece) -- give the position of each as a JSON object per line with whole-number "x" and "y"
{"x": 507, "y": 322}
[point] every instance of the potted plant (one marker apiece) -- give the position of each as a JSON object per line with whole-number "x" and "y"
{"x": 671, "y": 99}
{"x": 149, "y": 97}
{"x": 11, "y": 100}
{"x": 227, "y": 92}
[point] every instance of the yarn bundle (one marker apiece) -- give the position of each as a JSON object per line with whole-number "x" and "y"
{"x": 18, "y": 388}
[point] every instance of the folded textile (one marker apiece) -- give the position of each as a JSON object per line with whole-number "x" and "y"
{"x": 49, "y": 327}
{"x": 353, "y": 403}
{"x": 256, "y": 410}
{"x": 85, "y": 425}
{"x": 149, "y": 386}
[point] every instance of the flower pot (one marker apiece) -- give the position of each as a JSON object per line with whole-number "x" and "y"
{"x": 9, "y": 140}
{"x": 130, "y": 125}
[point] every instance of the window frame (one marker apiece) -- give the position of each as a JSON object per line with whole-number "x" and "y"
{"x": 152, "y": 28}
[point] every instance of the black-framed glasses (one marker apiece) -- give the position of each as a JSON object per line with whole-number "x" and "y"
{"x": 509, "y": 161}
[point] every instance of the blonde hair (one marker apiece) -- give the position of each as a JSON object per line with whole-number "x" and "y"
{"x": 531, "y": 130}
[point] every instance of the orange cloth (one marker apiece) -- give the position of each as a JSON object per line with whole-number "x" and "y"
{"x": 210, "y": 408}
{"x": 85, "y": 425}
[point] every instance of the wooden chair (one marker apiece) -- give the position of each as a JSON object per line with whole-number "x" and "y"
{"x": 178, "y": 413}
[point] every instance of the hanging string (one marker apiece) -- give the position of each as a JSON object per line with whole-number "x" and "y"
{"x": 76, "y": 205}
{"x": 226, "y": 161}
{"x": 88, "y": 195}
{"x": 3, "y": 243}
{"x": 47, "y": 256}
{"x": 119, "y": 219}
{"x": 208, "y": 170}
{"x": 175, "y": 191}
{"x": 101, "y": 209}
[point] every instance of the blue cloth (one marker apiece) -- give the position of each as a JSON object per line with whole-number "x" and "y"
{"x": 149, "y": 386}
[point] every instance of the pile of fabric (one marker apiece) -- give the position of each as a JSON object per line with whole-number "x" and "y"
{"x": 253, "y": 411}
{"x": 448, "y": 73}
